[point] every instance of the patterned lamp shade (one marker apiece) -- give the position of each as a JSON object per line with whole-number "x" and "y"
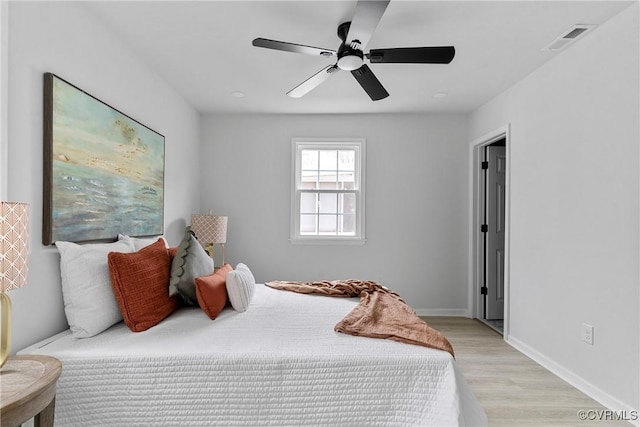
{"x": 14, "y": 240}
{"x": 209, "y": 228}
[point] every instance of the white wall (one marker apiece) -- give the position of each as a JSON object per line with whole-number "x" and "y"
{"x": 4, "y": 74}
{"x": 63, "y": 38}
{"x": 575, "y": 208}
{"x": 416, "y": 201}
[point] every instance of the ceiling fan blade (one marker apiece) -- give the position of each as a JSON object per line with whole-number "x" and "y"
{"x": 312, "y": 82}
{"x": 364, "y": 22}
{"x": 370, "y": 83}
{"x": 413, "y": 55}
{"x": 292, "y": 47}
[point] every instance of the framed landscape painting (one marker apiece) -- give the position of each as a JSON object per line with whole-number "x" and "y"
{"x": 103, "y": 170}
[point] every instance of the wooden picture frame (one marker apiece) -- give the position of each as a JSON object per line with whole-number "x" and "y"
{"x": 103, "y": 170}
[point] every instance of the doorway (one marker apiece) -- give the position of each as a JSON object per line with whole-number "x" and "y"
{"x": 494, "y": 172}
{"x": 490, "y": 226}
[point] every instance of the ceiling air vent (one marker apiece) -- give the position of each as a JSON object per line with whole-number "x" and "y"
{"x": 568, "y": 37}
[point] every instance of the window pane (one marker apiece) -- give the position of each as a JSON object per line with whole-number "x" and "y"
{"x": 328, "y": 160}
{"x": 348, "y": 225}
{"x": 309, "y": 159}
{"x": 348, "y": 186}
{"x": 346, "y": 180}
{"x": 309, "y": 175}
{"x": 308, "y": 186}
{"x": 347, "y": 160}
{"x": 308, "y": 203}
{"x": 347, "y": 203}
{"x": 328, "y": 203}
{"x": 328, "y": 176}
{"x": 308, "y": 179}
{"x": 328, "y": 180}
{"x": 308, "y": 224}
{"x": 327, "y": 224}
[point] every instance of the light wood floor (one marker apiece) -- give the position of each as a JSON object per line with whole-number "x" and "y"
{"x": 513, "y": 389}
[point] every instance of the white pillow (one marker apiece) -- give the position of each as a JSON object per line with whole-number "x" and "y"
{"x": 142, "y": 242}
{"x": 89, "y": 302}
{"x": 240, "y": 287}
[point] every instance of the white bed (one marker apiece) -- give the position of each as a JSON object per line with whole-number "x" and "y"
{"x": 278, "y": 363}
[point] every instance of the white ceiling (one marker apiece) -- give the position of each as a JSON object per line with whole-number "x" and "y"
{"x": 203, "y": 49}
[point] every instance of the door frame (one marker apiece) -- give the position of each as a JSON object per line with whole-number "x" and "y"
{"x": 476, "y": 268}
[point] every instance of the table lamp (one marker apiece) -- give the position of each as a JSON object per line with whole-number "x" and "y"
{"x": 14, "y": 248}
{"x": 210, "y": 229}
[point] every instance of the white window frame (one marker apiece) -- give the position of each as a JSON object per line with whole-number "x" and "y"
{"x": 300, "y": 144}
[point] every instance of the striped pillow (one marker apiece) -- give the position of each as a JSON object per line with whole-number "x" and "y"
{"x": 240, "y": 286}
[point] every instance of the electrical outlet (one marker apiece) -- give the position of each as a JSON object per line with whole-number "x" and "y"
{"x": 587, "y": 333}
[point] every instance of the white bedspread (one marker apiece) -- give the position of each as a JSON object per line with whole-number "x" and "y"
{"x": 278, "y": 363}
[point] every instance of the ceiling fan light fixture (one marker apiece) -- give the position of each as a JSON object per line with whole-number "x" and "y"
{"x": 350, "y": 62}
{"x": 349, "y": 59}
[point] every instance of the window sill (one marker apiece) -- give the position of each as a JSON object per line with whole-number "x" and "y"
{"x": 327, "y": 240}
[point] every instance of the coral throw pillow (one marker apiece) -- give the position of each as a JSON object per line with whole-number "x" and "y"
{"x": 211, "y": 291}
{"x": 140, "y": 283}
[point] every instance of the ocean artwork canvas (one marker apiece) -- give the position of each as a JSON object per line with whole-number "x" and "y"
{"x": 103, "y": 172}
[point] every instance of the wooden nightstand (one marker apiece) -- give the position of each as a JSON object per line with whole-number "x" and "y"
{"x": 28, "y": 390}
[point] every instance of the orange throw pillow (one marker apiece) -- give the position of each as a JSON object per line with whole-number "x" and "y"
{"x": 140, "y": 283}
{"x": 211, "y": 291}
{"x": 172, "y": 252}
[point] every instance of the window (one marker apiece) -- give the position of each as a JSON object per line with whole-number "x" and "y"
{"x": 328, "y": 191}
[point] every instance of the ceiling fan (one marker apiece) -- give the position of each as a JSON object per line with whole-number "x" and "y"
{"x": 355, "y": 36}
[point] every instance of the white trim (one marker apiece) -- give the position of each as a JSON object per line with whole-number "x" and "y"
{"x": 474, "y": 301}
{"x": 444, "y": 312}
{"x": 4, "y": 99}
{"x": 326, "y": 240}
{"x": 576, "y": 381}
{"x": 359, "y": 144}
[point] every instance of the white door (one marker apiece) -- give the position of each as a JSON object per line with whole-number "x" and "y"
{"x": 495, "y": 220}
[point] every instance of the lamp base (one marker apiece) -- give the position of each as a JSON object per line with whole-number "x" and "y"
{"x": 208, "y": 247}
{"x": 5, "y": 332}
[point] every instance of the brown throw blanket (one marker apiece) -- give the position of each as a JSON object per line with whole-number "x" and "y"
{"x": 380, "y": 314}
